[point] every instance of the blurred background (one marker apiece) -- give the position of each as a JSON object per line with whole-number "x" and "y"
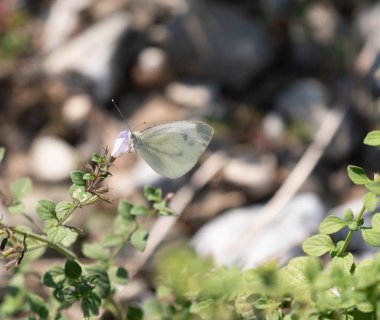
{"x": 266, "y": 74}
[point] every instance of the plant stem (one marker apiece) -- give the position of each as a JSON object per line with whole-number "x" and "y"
{"x": 350, "y": 234}
{"x": 61, "y": 249}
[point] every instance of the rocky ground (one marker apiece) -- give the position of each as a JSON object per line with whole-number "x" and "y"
{"x": 267, "y": 75}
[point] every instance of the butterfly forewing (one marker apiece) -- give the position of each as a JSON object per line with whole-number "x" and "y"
{"x": 173, "y": 148}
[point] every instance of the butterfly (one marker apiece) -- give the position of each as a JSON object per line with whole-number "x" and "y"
{"x": 171, "y": 149}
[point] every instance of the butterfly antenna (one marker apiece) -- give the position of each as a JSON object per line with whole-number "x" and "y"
{"x": 117, "y": 108}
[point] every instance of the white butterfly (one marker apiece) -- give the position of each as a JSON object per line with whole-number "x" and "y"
{"x": 171, "y": 149}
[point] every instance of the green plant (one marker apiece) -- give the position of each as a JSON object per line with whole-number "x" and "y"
{"x": 308, "y": 287}
{"x": 92, "y": 284}
{"x": 188, "y": 287}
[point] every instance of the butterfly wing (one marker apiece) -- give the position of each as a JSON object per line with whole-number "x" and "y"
{"x": 173, "y": 148}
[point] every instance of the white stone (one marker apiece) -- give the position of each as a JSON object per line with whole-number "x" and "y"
{"x": 51, "y": 159}
{"x": 222, "y": 239}
{"x": 76, "y": 109}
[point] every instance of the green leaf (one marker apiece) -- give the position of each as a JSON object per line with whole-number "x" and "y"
{"x": 332, "y": 224}
{"x": 21, "y": 188}
{"x": 90, "y": 305}
{"x": 79, "y": 193}
{"x": 72, "y": 269}
{"x": 98, "y": 276}
{"x": 139, "y": 210}
{"x": 77, "y": 178}
{"x": 70, "y": 238}
{"x": 318, "y": 245}
{"x": 134, "y": 313}
{"x": 2, "y": 154}
{"x": 88, "y": 176}
{"x": 63, "y": 208}
{"x": 54, "y": 277}
{"x": 139, "y": 239}
{"x": 372, "y": 237}
{"x": 46, "y": 210}
{"x": 274, "y": 315}
{"x": 118, "y": 275}
{"x": 38, "y": 305}
{"x": 375, "y": 221}
{"x": 357, "y": 175}
{"x": 343, "y": 263}
{"x": 56, "y": 234}
{"x": 95, "y": 251}
{"x": 111, "y": 240}
{"x": 370, "y": 201}
{"x": 124, "y": 208}
{"x": 374, "y": 187}
{"x": 372, "y": 138}
{"x": 17, "y": 208}
{"x": 152, "y": 193}
{"x": 349, "y": 215}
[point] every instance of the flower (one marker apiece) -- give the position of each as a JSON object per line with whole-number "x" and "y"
{"x": 122, "y": 144}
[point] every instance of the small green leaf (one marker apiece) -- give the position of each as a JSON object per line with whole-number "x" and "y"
{"x": 17, "y": 208}
{"x": 152, "y": 193}
{"x": 370, "y": 201}
{"x": 46, "y": 210}
{"x": 274, "y": 315}
{"x": 344, "y": 263}
{"x": 72, "y": 269}
{"x": 54, "y": 277}
{"x": 118, "y": 275}
{"x": 21, "y": 188}
{"x": 372, "y": 237}
{"x": 2, "y": 154}
{"x": 374, "y": 187}
{"x": 124, "y": 208}
{"x": 77, "y": 178}
{"x": 332, "y": 224}
{"x": 90, "y": 305}
{"x": 134, "y": 313}
{"x": 56, "y": 234}
{"x": 111, "y": 240}
{"x": 63, "y": 208}
{"x": 357, "y": 175}
{"x": 318, "y": 245}
{"x": 372, "y": 138}
{"x": 98, "y": 276}
{"x": 95, "y": 251}
{"x": 139, "y": 239}
{"x": 38, "y": 305}
{"x": 79, "y": 193}
{"x": 353, "y": 226}
{"x": 88, "y": 176}
{"x": 139, "y": 210}
{"x": 375, "y": 221}
{"x": 70, "y": 238}
{"x": 349, "y": 215}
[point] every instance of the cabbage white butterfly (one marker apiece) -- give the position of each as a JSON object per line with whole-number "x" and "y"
{"x": 171, "y": 149}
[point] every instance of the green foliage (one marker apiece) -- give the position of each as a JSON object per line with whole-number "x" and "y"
{"x": 187, "y": 287}
{"x": 90, "y": 285}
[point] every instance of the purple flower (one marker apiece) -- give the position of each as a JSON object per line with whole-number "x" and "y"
{"x": 122, "y": 144}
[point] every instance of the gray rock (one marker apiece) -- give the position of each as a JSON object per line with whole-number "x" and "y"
{"x": 218, "y": 42}
{"x": 254, "y": 172}
{"x": 90, "y": 53}
{"x": 221, "y": 238}
{"x": 368, "y": 26}
{"x": 196, "y": 95}
{"x": 303, "y": 103}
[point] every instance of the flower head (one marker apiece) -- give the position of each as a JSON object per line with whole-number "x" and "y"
{"x": 123, "y": 144}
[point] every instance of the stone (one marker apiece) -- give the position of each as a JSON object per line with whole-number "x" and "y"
{"x": 51, "y": 159}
